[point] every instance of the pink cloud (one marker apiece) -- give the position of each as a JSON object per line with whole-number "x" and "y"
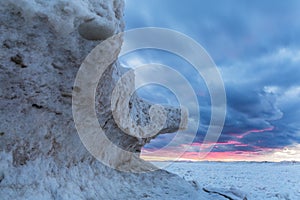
{"x": 192, "y": 150}
{"x": 240, "y": 136}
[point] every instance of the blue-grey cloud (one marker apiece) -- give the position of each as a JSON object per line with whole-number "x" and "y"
{"x": 257, "y": 48}
{"x": 227, "y": 29}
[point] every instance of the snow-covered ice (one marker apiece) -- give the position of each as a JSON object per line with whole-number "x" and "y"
{"x": 242, "y": 180}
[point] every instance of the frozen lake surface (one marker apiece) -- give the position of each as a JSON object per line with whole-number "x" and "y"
{"x": 241, "y": 180}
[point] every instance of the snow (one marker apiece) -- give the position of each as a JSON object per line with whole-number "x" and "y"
{"x": 93, "y": 16}
{"x": 44, "y": 179}
{"x": 41, "y": 155}
{"x": 238, "y": 180}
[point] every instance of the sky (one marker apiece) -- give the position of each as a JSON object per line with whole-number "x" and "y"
{"x": 256, "y": 47}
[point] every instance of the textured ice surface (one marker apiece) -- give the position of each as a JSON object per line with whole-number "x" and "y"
{"x": 42, "y": 45}
{"x": 239, "y": 180}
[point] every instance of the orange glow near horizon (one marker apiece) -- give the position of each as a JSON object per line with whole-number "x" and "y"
{"x": 291, "y": 153}
{"x": 222, "y": 151}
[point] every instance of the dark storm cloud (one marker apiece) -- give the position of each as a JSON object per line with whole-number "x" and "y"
{"x": 264, "y": 94}
{"x": 256, "y": 44}
{"x": 227, "y": 29}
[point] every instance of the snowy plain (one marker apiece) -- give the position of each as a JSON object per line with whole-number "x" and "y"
{"x": 241, "y": 180}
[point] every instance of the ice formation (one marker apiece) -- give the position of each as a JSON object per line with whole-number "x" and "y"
{"x": 43, "y": 43}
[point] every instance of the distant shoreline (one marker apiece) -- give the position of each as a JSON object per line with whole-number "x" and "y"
{"x": 207, "y": 161}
